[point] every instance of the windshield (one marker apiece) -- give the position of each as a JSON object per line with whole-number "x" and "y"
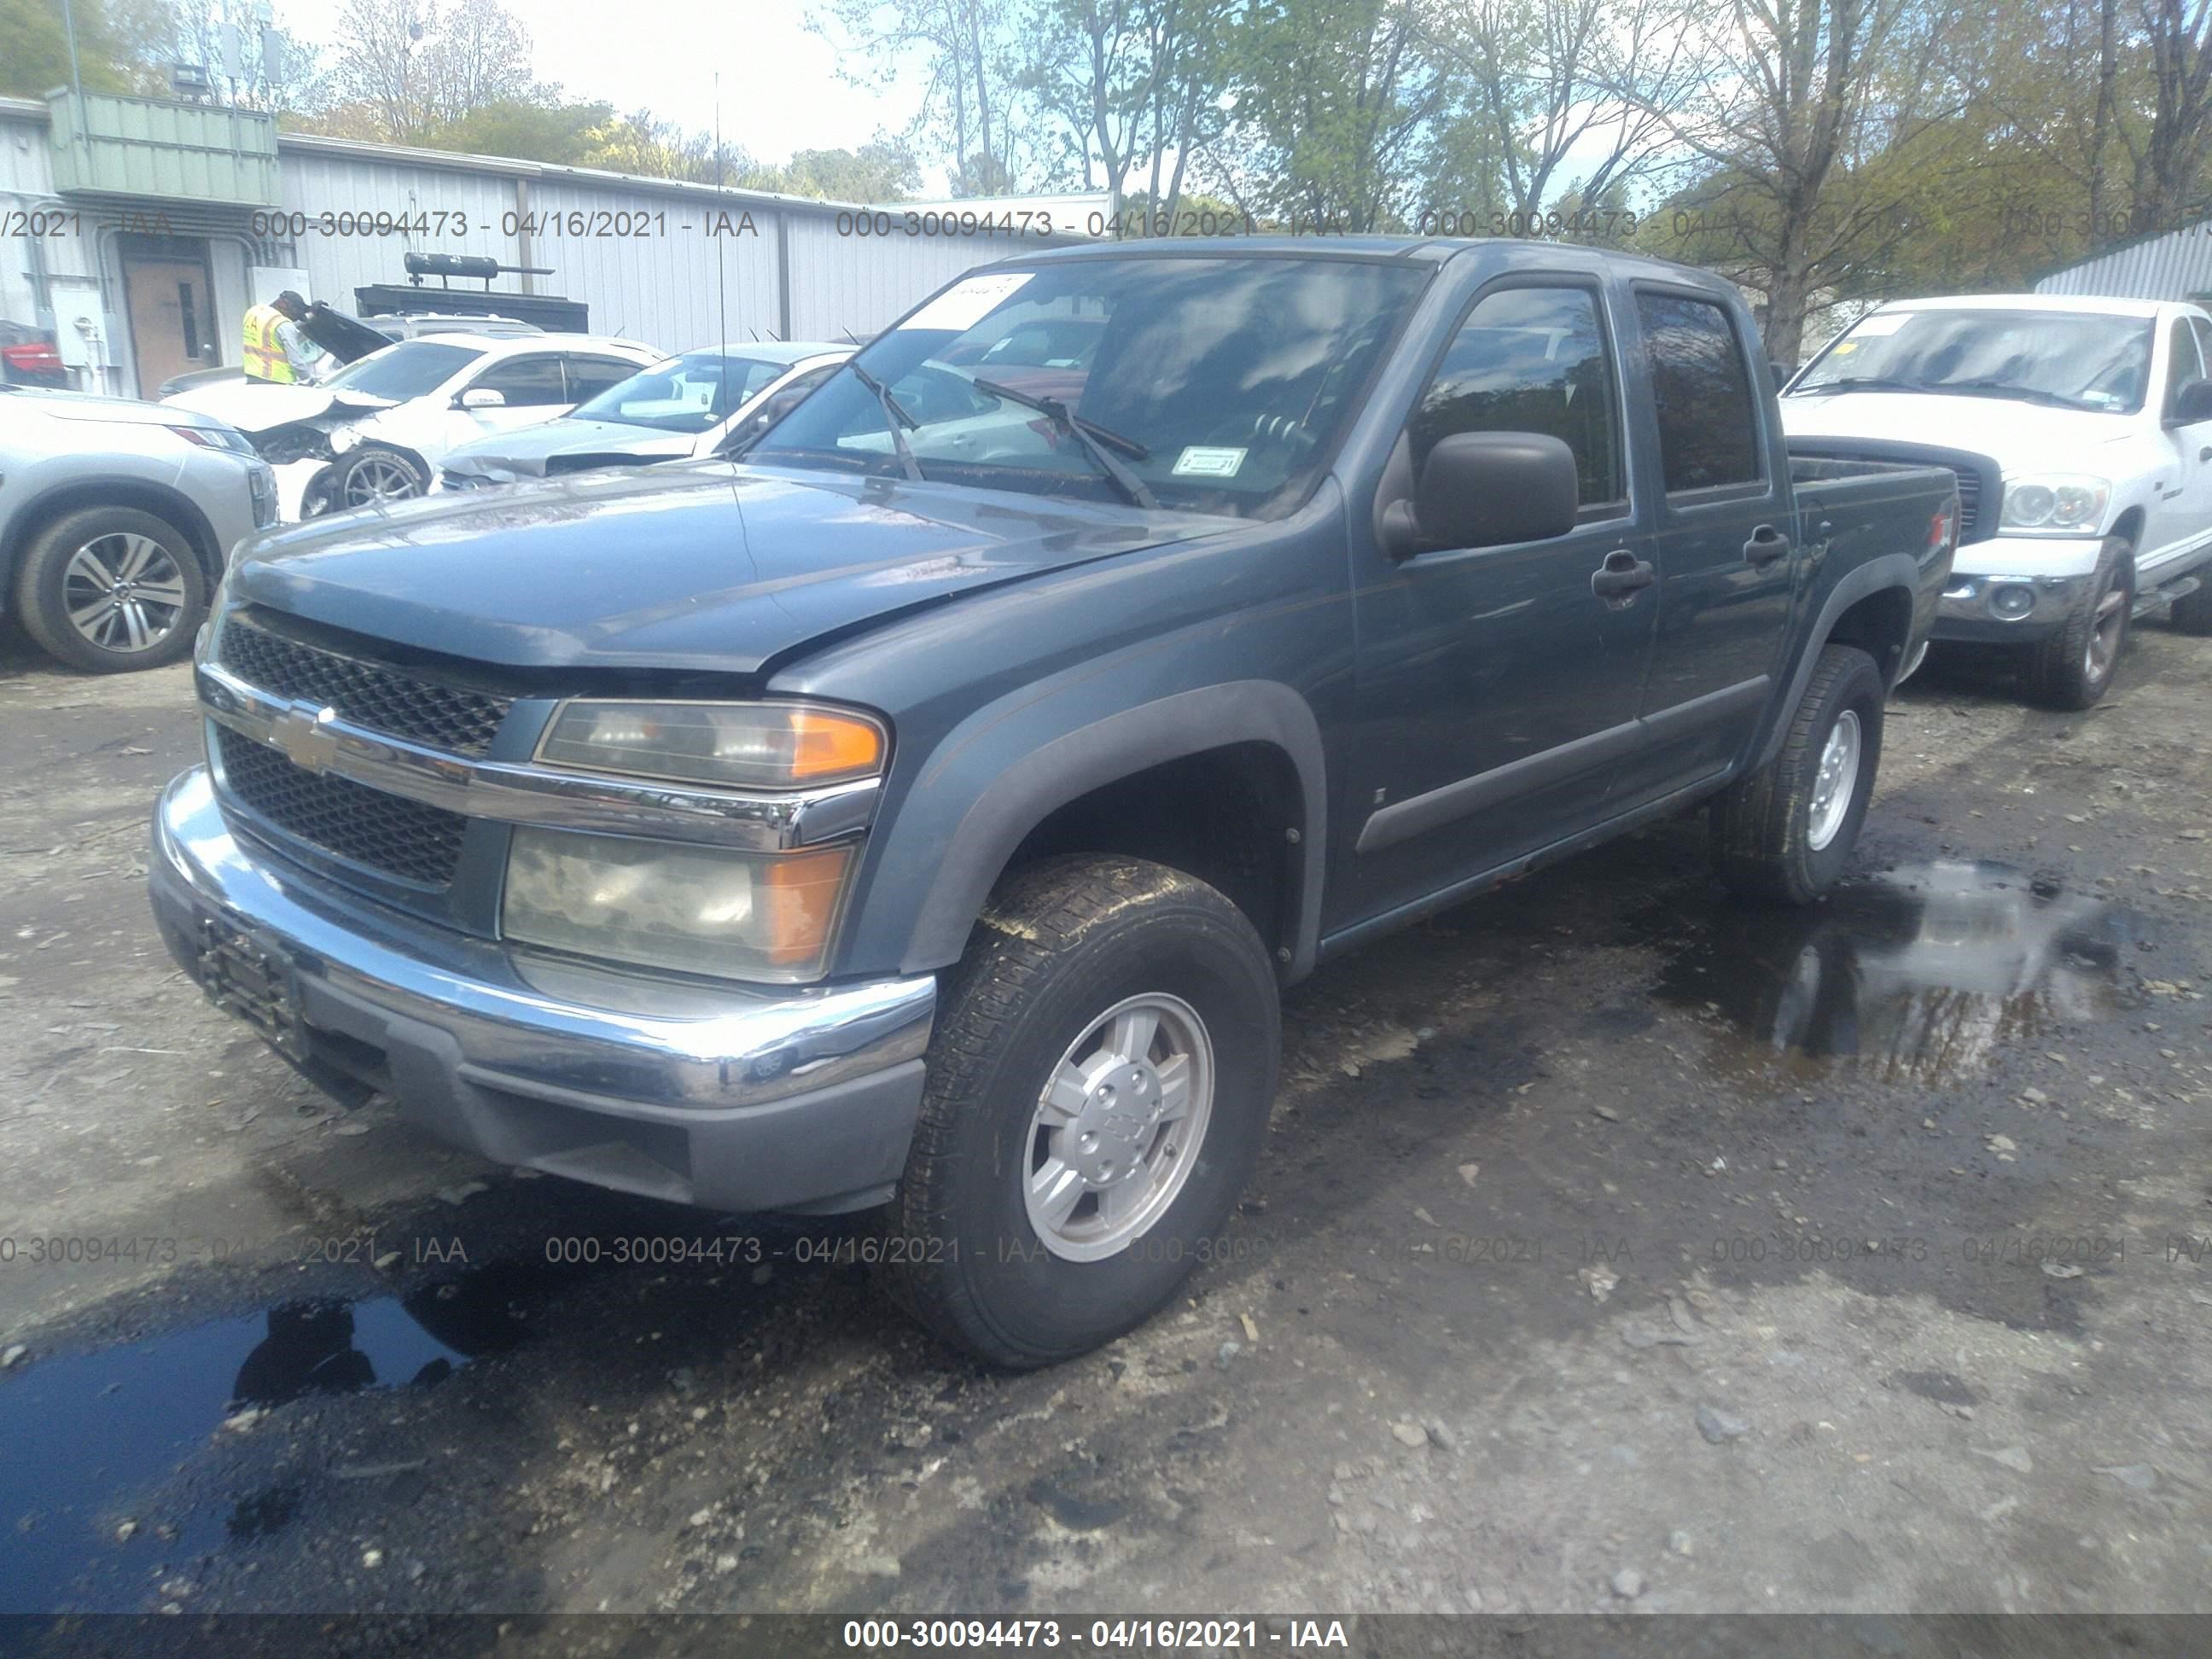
{"x": 2072, "y": 359}
{"x": 1220, "y": 383}
{"x": 412, "y": 369}
{"x": 686, "y": 394}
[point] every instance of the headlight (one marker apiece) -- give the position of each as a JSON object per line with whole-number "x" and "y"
{"x": 2056, "y": 503}
{"x": 706, "y": 910}
{"x": 762, "y": 746}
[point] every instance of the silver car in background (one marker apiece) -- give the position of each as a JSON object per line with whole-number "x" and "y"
{"x": 116, "y": 521}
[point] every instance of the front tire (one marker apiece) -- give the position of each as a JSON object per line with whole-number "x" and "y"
{"x": 111, "y": 589}
{"x": 1100, "y": 1080}
{"x": 1784, "y": 834}
{"x": 2073, "y": 668}
{"x": 374, "y": 475}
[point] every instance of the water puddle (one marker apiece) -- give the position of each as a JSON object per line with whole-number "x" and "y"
{"x": 1919, "y": 973}
{"x": 82, "y": 1436}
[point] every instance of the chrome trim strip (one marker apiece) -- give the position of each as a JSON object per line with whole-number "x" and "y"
{"x": 314, "y": 736}
{"x": 632, "y": 1043}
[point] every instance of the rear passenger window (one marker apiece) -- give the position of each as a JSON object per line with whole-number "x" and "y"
{"x": 1708, "y": 436}
{"x": 1530, "y": 359}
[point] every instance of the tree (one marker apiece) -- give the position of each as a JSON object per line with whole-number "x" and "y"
{"x": 1551, "y": 81}
{"x": 555, "y": 132}
{"x": 1335, "y": 108}
{"x": 968, "y": 51}
{"x": 287, "y": 80}
{"x": 404, "y": 67}
{"x": 1794, "y": 99}
{"x": 117, "y": 43}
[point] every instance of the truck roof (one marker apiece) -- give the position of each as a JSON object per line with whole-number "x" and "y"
{"x": 1412, "y": 249}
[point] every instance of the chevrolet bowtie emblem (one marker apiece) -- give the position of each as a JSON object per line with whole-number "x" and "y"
{"x": 304, "y": 733}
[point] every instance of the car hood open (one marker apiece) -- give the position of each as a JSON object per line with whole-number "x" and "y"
{"x": 706, "y": 567}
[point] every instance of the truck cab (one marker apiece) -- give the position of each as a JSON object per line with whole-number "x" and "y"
{"x": 2081, "y": 432}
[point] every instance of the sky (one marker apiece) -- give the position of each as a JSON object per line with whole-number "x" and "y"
{"x": 779, "y": 91}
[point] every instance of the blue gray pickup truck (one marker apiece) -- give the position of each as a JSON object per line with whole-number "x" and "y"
{"x": 924, "y": 811}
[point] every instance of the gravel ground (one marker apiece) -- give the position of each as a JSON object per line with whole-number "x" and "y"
{"x": 1617, "y": 1248}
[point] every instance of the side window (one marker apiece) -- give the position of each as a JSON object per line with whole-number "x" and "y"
{"x": 2185, "y": 362}
{"x": 590, "y": 376}
{"x": 1530, "y": 359}
{"x": 2203, "y": 329}
{"x": 1708, "y": 428}
{"x": 526, "y": 382}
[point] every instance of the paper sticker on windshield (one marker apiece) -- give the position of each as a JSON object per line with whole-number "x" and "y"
{"x": 967, "y": 303}
{"x": 1200, "y": 463}
{"x": 1881, "y": 323}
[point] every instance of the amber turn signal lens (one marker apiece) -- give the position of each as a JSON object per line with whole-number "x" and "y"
{"x": 827, "y": 745}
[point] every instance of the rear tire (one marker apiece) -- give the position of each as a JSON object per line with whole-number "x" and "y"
{"x": 111, "y": 589}
{"x": 1035, "y": 1222}
{"x": 1785, "y": 833}
{"x": 2073, "y": 667}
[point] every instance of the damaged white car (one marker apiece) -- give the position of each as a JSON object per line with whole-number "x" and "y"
{"x": 377, "y": 429}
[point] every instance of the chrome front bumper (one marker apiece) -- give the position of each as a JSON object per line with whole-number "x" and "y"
{"x": 722, "y": 1096}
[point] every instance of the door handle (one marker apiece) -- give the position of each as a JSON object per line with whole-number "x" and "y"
{"x": 1765, "y": 546}
{"x": 1618, "y": 581}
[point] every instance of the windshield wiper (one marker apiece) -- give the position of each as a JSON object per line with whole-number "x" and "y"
{"x": 2005, "y": 389}
{"x": 893, "y": 417}
{"x": 1098, "y": 442}
{"x": 1860, "y": 383}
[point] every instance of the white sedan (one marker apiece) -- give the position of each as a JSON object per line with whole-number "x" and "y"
{"x": 377, "y": 429}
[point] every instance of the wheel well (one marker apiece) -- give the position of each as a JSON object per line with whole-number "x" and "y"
{"x": 1879, "y": 625}
{"x": 1227, "y": 816}
{"x": 164, "y": 504}
{"x": 2128, "y": 526}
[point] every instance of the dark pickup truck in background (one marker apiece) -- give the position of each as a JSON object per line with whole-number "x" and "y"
{"x": 925, "y": 812}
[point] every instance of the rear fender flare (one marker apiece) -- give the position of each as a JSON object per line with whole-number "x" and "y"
{"x": 1897, "y": 570}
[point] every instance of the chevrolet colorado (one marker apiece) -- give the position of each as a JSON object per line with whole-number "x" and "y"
{"x": 925, "y": 810}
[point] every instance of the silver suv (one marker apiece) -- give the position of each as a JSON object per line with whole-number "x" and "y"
{"x": 116, "y": 521}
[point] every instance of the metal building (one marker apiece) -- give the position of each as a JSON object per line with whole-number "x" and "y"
{"x": 141, "y": 229}
{"x": 2176, "y": 265}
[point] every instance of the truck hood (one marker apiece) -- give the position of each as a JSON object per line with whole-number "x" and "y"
{"x": 705, "y": 566}
{"x": 529, "y": 452}
{"x": 2016, "y": 436}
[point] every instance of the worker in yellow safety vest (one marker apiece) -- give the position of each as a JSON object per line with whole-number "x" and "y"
{"x": 268, "y": 352}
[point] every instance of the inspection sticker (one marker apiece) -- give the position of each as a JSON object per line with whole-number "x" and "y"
{"x": 1200, "y": 463}
{"x": 967, "y": 303}
{"x": 1881, "y": 323}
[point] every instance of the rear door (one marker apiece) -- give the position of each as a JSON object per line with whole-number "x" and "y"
{"x": 2181, "y": 511}
{"x": 1496, "y": 689}
{"x": 1726, "y": 543}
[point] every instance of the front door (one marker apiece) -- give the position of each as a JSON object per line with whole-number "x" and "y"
{"x": 1726, "y": 546}
{"x": 2181, "y": 511}
{"x": 1496, "y": 688}
{"x": 165, "y": 293}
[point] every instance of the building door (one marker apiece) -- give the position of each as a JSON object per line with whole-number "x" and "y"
{"x": 169, "y": 297}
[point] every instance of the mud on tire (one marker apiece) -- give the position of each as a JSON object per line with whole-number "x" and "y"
{"x": 1061, "y": 947}
{"x": 1781, "y": 834}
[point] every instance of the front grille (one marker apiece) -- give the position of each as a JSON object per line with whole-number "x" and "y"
{"x": 1970, "y": 503}
{"x": 393, "y": 700}
{"x": 400, "y": 838}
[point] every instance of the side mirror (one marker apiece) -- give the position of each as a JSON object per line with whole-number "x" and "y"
{"x": 2192, "y": 404}
{"x": 1487, "y": 489}
{"x": 480, "y": 397}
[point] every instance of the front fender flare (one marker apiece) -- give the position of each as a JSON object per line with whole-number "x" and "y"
{"x": 1019, "y": 796}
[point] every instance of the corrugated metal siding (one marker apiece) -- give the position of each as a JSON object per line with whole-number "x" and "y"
{"x": 27, "y": 182}
{"x": 2175, "y": 266}
{"x": 337, "y": 265}
{"x": 863, "y": 283}
{"x": 659, "y": 282}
